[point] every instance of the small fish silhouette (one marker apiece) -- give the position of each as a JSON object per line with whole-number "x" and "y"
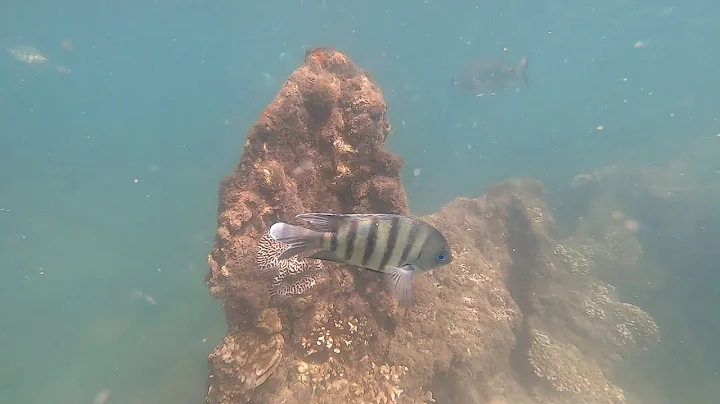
{"x": 490, "y": 76}
{"x": 27, "y": 54}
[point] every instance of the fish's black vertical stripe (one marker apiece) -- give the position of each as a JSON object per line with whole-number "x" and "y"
{"x": 333, "y": 242}
{"x": 414, "y": 229}
{"x": 371, "y": 241}
{"x": 391, "y": 241}
{"x": 334, "y": 227}
{"x": 351, "y": 236}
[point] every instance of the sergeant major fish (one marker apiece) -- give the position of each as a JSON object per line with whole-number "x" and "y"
{"x": 397, "y": 246}
{"x": 27, "y": 54}
{"x": 490, "y": 76}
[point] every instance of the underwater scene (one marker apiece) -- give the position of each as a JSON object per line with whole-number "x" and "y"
{"x": 329, "y": 202}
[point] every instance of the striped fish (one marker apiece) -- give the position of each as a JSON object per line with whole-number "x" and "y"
{"x": 394, "y": 245}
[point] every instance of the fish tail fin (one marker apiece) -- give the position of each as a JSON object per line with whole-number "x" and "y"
{"x": 298, "y": 239}
{"x": 520, "y": 69}
{"x": 453, "y": 83}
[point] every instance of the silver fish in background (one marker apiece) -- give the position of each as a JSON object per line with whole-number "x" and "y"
{"x": 490, "y": 76}
{"x": 397, "y": 246}
{"x": 27, "y": 54}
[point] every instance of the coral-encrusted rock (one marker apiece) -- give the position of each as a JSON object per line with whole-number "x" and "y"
{"x": 305, "y": 332}
{"x": 319, "y": 146}
{"x": 245, "y": 360}
{"x": 584, "y": 328}
{"x": 567, "y": 371}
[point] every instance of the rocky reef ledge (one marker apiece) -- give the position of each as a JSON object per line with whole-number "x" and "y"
{"x": 518, "y": 317}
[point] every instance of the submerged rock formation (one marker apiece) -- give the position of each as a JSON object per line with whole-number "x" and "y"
{"x": 669, "y": 207}
{"x": 509, "y": 321}
{"x": 319, "y": 146}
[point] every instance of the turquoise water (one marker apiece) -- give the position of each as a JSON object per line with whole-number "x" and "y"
{"x": 109, "y": 172}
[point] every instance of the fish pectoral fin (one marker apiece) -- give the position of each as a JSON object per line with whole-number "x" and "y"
{"x": 324, "y": 222}
{"x": 298, "y": 239}
{"x": 326, "y": 256}
{"x": 400, "y": 283}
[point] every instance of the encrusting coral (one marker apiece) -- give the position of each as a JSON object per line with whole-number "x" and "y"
{"x": 337, "y": 336}
{"x": 569, "y": 372}
{"x": 295, "y": 275}
{"x": 246, "y": 359}
{"x": 317, "y": 147}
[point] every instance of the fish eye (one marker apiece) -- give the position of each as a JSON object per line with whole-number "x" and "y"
{"x": 441, "y": 257}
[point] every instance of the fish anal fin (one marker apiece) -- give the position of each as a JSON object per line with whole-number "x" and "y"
{"x": 326, "y": 256}
{"x": 292, "y": 251}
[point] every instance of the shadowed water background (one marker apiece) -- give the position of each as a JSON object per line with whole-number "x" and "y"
{"x": 109, "y": 173}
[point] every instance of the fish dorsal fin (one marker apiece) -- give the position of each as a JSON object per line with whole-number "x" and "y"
{"x": 325, "y": 222}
